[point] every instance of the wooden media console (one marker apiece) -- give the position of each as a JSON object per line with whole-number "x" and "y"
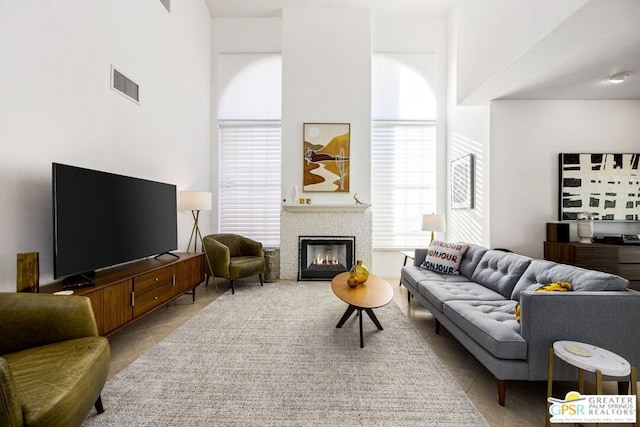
{"x": 125, "y": 293}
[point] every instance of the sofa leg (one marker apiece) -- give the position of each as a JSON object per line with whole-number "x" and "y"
{"x": 233, "y": 291}
{"x": 502, "y": 391}
{"x": 408, "y": 297}
{"x": 437, "y": 327}
{"x": 98, "y": 405}
{"x": 261, "y": 282}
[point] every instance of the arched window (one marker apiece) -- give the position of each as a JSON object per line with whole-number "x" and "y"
{"x": 249, "y": 148}
{"x": 403, "y": 149}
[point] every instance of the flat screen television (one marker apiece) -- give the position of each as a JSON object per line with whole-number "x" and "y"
{"x": 101, "y": 219}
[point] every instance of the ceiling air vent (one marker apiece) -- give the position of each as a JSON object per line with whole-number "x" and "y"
{"x": 125, "y": 85}
{"x": 166, "y": 4}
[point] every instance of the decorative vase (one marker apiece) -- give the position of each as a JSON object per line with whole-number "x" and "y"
{"x": 352, "y": 281}
{"x": 359, "y": 271}
{"x": 585, "y": 227}
{"x": 294, "y": 194}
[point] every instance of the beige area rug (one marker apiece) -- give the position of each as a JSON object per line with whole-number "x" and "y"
{"x": 272, "y": 356}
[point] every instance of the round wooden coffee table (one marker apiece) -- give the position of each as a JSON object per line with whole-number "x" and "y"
{"x": 375, "y": 292}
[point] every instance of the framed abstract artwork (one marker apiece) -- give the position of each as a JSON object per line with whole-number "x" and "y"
{"x": 326, "y": 157}
{"x": 607, "y": 185}
{"x": 462, "y": 183}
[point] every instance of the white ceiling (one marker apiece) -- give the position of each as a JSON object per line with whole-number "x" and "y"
{"x": 571, "y": 62}
{"x": 574, "y": 60}
{"x": 272, "y": 8}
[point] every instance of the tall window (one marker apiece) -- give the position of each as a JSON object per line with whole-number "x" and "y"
{"x": 249, "y": 146}
{"x": 249, "y": 180}
{"x": 403, "y": 187}
{"x": 403, "y": 148}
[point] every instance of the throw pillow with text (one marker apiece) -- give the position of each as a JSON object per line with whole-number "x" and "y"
{"x": 444, "y": 257}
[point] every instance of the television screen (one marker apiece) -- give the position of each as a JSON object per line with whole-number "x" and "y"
{"x": 102, "y": 219}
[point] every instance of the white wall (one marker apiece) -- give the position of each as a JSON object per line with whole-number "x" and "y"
{"x": 326, "y": 75}
{"x": 57, "y": 106}
{"x": 526, "y": 137}
{"x": 467, "y": 133}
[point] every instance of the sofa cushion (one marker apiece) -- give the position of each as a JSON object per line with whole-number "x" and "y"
{"x": 530, "y": 277}
{"x": 444, "y": 257}
{"x": 415, "y": 275}
{"x": 471, "y": 259}
{"x": 439, "y": 292}
{"x": 544, "y": 272}
{"x": 491, "y": 324}
{"x": 500, "y": 271}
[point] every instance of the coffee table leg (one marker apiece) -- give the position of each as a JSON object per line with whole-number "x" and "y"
{"x": 373, "y": 317}
{"x": 361, "y": 336}
{"x": 346, "y": 315}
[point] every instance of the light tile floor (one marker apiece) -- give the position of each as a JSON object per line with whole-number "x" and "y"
{"x": 525, "y": 401}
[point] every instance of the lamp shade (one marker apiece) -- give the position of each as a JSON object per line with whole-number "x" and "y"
{"x": 433, "y": 222}
{"x": 195, "y": 201}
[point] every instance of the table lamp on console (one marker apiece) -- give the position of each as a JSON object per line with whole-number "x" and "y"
{"x": 433, "y": 222}
{"x": 195, "y": 201}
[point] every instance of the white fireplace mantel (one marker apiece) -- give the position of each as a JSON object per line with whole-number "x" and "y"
{"x": 322, "y": 220}
{"x": 360, "y": 207}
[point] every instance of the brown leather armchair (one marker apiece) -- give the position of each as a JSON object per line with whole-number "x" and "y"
{"x": 53, "y": 364}
{"x": 233, "y": 257}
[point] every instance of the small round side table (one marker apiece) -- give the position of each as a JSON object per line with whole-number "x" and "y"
{"x": 587, "y": 357}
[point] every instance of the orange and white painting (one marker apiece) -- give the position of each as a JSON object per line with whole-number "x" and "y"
{"x": 326, "y": 157}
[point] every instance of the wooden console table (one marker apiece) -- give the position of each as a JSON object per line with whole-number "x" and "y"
{"x": 623, "y": 260}
{"x": 125, "y": 293}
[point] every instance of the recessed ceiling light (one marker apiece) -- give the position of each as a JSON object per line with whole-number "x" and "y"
{"x": 619, "y": 78}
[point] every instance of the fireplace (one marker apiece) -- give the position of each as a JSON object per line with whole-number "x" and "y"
{"x": 322, "y": 220}
{"x": 323, "y": 257}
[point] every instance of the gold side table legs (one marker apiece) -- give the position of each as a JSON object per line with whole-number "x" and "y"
{"x": 633, "y": 378}
{"x": 549, "y": 385}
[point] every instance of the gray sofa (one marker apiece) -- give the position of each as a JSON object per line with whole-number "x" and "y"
{"x": 477, "y": 308}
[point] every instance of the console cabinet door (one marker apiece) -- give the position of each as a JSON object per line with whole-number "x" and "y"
{"x": 189, "y": 274}
{"x": 116, "y": 305}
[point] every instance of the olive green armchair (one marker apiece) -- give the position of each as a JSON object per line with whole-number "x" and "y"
{"x": 53, "y": 364}
{"x": 233, "y": 257}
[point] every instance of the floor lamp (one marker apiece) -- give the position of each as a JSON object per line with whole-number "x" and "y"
{"x": 195, "y": 201}
{"x": 433, "y": 222}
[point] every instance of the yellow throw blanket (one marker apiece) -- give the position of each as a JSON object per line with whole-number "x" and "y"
{"x": 551, "y": 287}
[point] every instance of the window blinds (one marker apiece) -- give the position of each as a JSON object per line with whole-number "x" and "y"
{"x": 249, "y": 180}
{"x": 403, "y": 182}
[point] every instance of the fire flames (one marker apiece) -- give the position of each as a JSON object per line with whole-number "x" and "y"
{"x": 325, "y": 260}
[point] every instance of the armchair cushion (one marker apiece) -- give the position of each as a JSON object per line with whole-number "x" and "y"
{"x": 245, "y": 266}
{"x": 10, "y": 410}
{"x": 57, "y": 384}
{"x": 53, "y": 364}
